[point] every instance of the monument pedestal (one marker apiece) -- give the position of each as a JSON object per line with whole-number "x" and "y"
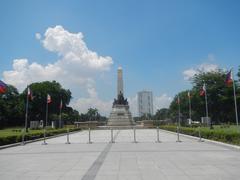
{"x": 120, "y": 116}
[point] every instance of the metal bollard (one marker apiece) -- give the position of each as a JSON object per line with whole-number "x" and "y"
{"x": 44, "y": 137}
{"x": 112, "y": 141}
{"x": 89, "y": 136}
{"x": 178, "y": 137}
{"x": 199, "y": 134}
{"x": 23, "y": 137}
{"x": 68, "y": 142}
{"x": 134, "y": 135}
{"x": 158, "y": 141}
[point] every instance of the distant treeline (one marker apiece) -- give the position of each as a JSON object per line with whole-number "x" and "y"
{"x": 13, "y": 105}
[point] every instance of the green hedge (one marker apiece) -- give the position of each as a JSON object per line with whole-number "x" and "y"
{"x": 226, "y": 135}
{"x": 10, "y": 139}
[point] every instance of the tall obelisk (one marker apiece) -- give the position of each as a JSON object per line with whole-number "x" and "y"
{"x": 119, "y": 81}
{"x": 120, "y": 114}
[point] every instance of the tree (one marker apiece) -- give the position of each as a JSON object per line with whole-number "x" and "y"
{"x": 93, "y": 114}
{"x": 220, "y": 99}
{"x": 173, "y": 109}
{"x": 37, "y": 107}
{"x": 11, "y": 108}
{"x": 238, "y": 74}
{"x": 162, "y": 114}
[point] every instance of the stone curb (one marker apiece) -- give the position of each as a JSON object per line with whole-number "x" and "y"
{"x": 35, "y": 140}
{"x": 205, "y": 140}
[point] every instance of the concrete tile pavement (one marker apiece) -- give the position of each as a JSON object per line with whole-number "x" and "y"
{"x": 121, "y": 160}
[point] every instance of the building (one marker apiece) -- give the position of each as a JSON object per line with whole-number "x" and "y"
{"x": 145, "y": 103}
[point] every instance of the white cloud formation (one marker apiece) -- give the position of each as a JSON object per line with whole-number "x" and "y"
{"x": 38, "y": 36}
{"x": 83, "y": 104}
{"x": 204, "y": 67}
{"x": 76, "y": 66}
{"x": 162, "y": 101}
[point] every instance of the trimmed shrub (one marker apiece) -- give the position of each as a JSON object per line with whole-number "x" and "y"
{"x": 10, "y": 139}
{"x": 226, "y": 135}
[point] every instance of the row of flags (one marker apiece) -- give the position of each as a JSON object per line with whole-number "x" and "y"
{"x": 49, "y": 99}
{"x": 203, "y": 92}
{"x": 30, "y": 97}
{"x": 3, "y": 89}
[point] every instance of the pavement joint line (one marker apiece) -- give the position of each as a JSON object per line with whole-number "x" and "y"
{"x": 93, "y": 170}
{"x": 222, "y": 144}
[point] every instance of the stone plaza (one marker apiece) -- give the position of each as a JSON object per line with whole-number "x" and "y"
{"x": 122, "y": 160}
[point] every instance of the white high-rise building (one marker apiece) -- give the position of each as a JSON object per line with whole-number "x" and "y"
{"x": 145, "y": 103}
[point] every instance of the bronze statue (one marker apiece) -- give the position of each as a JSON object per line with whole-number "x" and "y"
{"x": 120, "y": 100}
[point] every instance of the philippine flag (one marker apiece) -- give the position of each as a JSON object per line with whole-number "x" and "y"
{"x": 49, "y": 100}
{"x": 203, "y": 90}
{"x": 61, "y": 105}
{"x": 229, "y": 79}
{"x": 29, "y": 94}
{"x": 178, "y": 100}
{"x": 3, "y": 87}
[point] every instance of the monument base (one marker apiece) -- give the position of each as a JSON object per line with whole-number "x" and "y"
{"x": 120, "y": 116}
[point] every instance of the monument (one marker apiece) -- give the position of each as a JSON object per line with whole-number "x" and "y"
{"x": 120, "y": 115}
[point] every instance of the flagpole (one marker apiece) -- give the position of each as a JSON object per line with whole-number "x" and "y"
{"x": 179, "y": 112}
{"x": 26, "y": 114}
{"x": 178, "y": 126}
{"x": 46, "y": 114}
{"x": 235, "y": 99}
{"x": 44, "y": 140}
{"x": 206, "y": 103}
{"x": 190, "y": 108}
{"x": 60, "y": 115}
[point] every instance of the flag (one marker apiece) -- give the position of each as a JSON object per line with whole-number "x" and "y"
{"x": 178, "y": 100}
{"x": 49, "y": 100}
{"x": 29, "y": 94}
{"x": 229, "y": 79}
{"x": 3, "y": 87}
{"x": 189, "y": 94}
{"x": 60, "y": 107}
{"x": 203, "y": 90}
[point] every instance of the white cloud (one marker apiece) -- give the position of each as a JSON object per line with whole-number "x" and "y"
{"x": 83, "y": 104}
{"x": 77, "y": 66}
{"x": 74, "y": 50}
{"x": 189, "y": 73}
{"x": 162, "y": 101}
{"x": 133, "y": 104}
{"x": 38, "y": 36}
{"x": 204, "y": 67}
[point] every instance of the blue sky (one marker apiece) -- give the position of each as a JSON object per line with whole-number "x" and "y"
{"x": 154, "y": 41}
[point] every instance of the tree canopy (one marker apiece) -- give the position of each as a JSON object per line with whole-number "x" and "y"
{"x": 37, "y": 107}
{"x": 13, "y": 105}
{"x": 219, "y": 96}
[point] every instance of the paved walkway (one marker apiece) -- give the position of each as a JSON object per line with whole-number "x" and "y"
{"x": 101, "y": 160}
